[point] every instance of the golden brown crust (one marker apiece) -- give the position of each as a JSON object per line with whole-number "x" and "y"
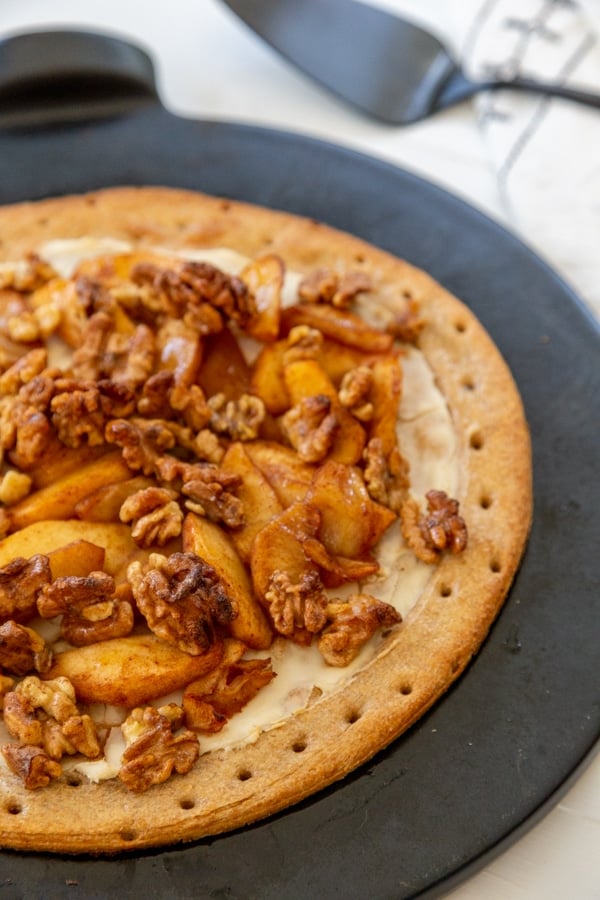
{"x": 421, "y": 657}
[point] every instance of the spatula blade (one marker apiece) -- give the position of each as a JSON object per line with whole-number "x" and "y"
{"x": 375, "y": 60}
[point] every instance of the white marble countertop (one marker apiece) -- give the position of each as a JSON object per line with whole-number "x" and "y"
{"x": 210, "y": 66}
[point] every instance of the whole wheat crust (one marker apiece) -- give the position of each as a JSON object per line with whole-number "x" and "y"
{"x": 421, "y": 657}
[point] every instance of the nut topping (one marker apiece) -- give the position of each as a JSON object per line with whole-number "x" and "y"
{"x": 310, "y": 427}
{"x": 182, "y": 600}
{"x": 90, "y": 610}
{"x": 351, "y": 624}
{"x": 44, "y": 714}
{"x": 155, "y": 514}
{"x": 296, "y": 606}
{"x": 155, "y": 751}
{"x": 440, "y": 528}
{"x": 22, "y": 650}
{"x": 387, "y": 479}
{"x": 325, "y": 286}
{"x": 238, "y": 419}
{"x": 33, "y": 766}
{"x": 354, "y": 392}
{"x": 20, "y": 582}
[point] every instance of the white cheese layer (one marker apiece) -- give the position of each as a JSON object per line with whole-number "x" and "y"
{"x": 427, "y": 440}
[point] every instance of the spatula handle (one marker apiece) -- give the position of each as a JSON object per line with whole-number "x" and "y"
{"x": 60, "y": 76}
{"x": 459, "y": 88}
{"x": 552, "y": 89}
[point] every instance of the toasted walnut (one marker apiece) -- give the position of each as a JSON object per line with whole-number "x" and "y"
{"x": 44, "y": 714}
{"x": 22, "y": 649}
{"x": 188, "y": 290}
{"x": 26, "y": 275}
{"x": 191, "y": 404}
{"x": 352, "y": 623}
{"x": 440, "y": 528}
{"x": 20, "y": 718}
{"x": 105, "y": 352}
{"x": 88, "y": 362}
{"x": 238, "y": 419}
{"x": 77, "y": 416}
{"x": 182, "y": 600}
{"x": 387, "y": 478}
{"x": 208, "y": 447}
{"x": 155, "y": 752}
{"x": 354, "y": 392}
{"x": 407, "y": 325}
{"x": 80, "y": 410}
{"x": 33, "y": 766}
{"x": 303, "y": 342}
{"x": 325, "y": 286}
{"x": 296, "y": 606}
{"x": 137, "y": 360}
{"x": 154, "y": 401}
{"x": 23, "y": 328}
{"x": 90, "y": 609}
{"x": 163, "y": 398}
{"x": 6, "y": 684}
{"x": 14, "y": 486}
{"x": 20, "y": 582}
{"x": 25, "y": 428}
{"x": 210, "y": 701}
{"x": 23, "y": 370}
{"x": 47, "y": 316}
{"x": 207, "y": 489}
{"x": 141, "y": 301}
{"x": 156, "y": 516}
{"x": 142, "y": 440}
{"x": 310, "y": 427}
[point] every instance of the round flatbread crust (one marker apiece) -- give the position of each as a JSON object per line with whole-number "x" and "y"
{"x": 421, "y": 657}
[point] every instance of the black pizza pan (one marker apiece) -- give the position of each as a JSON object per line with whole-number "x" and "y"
{"x": 505, "y": 742}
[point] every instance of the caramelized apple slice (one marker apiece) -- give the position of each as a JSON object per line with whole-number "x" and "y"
{"x": 224, "y": 369}
{"x": 78, "y": 558}
{"x": 259, "y": 500}
{"x": 264, "y": 278}
{"x": 341, "y": 325}
{"x": 208, "y": 541}
{"x": 386, "y": 390}
{"x": 58, "y": 500}
{"x": 267, "y": 380}
{"x": 104, "y": 504}
{"x": 132, "y": 670}
{"x": 59, "y": 460}
{"x": 278, "y": 547}
{"x": 47, "y": 536}
{"x": 286, "y": 473}
{"x": 351, "y": 523}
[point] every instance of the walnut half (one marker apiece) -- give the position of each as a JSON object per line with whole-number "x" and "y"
{"x": 154, "y": 750}
{"x": 182, "y": 600}
{"x": 352, "y": 623}
{"x": 44, "y": 714}
{"x": 90, "y": 609}
{"x": 440, "y": 528}
{"x": 33, "y": 766}
{"x": 20, "y": 582}
{"x": 22, "y": 650}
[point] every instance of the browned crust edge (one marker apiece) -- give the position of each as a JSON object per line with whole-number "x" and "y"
{"x": 421, "y": 658}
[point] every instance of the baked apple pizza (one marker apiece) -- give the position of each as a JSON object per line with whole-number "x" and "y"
{"x": 263, "y": 490}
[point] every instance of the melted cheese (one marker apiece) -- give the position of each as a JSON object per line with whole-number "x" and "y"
{"x": 426, "y": 438}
